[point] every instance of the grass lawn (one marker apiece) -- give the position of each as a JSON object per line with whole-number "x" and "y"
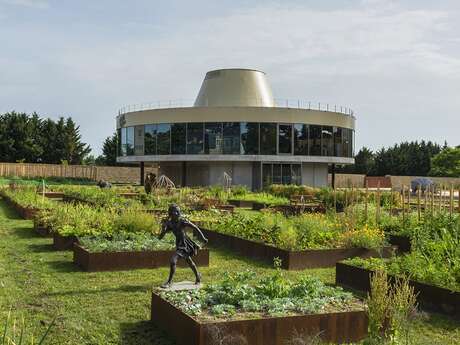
{"x": 38, "y": 283}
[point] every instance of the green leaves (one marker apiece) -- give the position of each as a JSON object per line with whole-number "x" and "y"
{"x": 241, "y": 292}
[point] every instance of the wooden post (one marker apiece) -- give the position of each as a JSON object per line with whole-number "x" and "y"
{"x": 432, "y": 201}
{"x": 426, "y": 202}
{"x": 377, "y": 213}
{"x": 335, "y": 199}
{"x": 408, "y": 199}
{"x": 458, "y": 200}
{"x": 391, "y": 201}
{"x": 346, "y": 200}
{"x": 440, "y": 198}
{"x": 451, "y": 194}
{"x": 404, "y": 202}
{"x": 366, "y": 201}
{"x": 419, "y": 190}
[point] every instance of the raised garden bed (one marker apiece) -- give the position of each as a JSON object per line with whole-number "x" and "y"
{"x": 129, "y": 195}
{"x": 24, "y": 212}
{"x": 113, "y": 261}
{"x": 228, "y": 208}
{"x": 402, "y": 242}
{"x": 41, "y": 229}
{"x": 53, "y": 195}
{"x": 257, "y": 206}
{"x": 241, "y": 203}
{"x": 63, "y": 242}
{"x": 291, "y": 260}
{"x": 429, "y": 297}
{"x": 68, "y": 198}
{"x": 342, "y": 327}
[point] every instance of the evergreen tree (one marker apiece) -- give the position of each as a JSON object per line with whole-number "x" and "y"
{"x": 109, "y": 151}
{"x": 364, "y": 161}
{"x": 446, "y": 163}
{"x": 30, "y": 139}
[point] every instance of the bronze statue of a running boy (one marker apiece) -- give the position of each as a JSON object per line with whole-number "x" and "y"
{"x": 185, "y": 246}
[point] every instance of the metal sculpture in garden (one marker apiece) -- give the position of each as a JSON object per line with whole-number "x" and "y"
{"x": 149, "y": 183}
{"x": 186, "y": 248}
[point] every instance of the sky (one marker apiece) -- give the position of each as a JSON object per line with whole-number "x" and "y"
{"x": 395, "y": 63}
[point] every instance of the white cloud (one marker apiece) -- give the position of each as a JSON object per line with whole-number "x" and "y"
{"x": 41, "y": 4}
{"x": 376, "y": 57}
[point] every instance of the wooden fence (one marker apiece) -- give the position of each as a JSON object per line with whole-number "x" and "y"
{"x": 111, "y": 174}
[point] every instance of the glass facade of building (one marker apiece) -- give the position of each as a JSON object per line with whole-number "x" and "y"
{"x": 245, "y": 138}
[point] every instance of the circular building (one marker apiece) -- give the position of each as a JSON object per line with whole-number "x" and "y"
{"x": 237, "y": 129}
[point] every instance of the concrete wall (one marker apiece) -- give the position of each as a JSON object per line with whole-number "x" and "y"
{"x": 347, "y": 180}
{"x": 314, "y": 174}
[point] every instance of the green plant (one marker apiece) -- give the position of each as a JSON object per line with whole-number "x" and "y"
{"x": 241, "y": 292}
{"x": 127, "y": 242}
{"x": 15, "y": 333}
{"x": 389, "y": 308}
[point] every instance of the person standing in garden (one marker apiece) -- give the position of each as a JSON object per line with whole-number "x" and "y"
{"x": 185, "y": 246}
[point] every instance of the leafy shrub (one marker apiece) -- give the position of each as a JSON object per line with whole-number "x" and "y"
{"x": 241, "y": 292}
{"x": 128, "y": 242}
{"x": 28, "y": 197}
{"x": 135, "y": 221}
{"x": 389, "y": 310}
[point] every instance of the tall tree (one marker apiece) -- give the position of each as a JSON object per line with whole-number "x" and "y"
{"x": 364, "y": 161}
{"x": 446, "y": 163}
{"x": 28, "y": 138}
{"x": 109, "y": 151}
{"x": 75, "y": 150}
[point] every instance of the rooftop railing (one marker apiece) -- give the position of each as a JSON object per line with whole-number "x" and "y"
{"x": 278, "y": 103}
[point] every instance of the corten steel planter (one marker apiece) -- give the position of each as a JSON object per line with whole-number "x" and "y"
{"x": 291, "y": 260}
{"x": 76, "y": 200}
{"x": 240, "y": 203}
{"x": 41, "y": 229}
{"x": 257, "y": 206}
{"x": 63, "y": 242}
{"x": 342, "y": 327}
{"x": 402, "y": 242}
{"x": 228, "y": 208}
{"x": 53, "y": 195}
{"x": 24, "y": 212}
{"x": 129, "y": 195}
{"x": 429, "y": 297}
{"x": 114, "y": 261}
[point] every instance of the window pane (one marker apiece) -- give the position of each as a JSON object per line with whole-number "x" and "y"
{"x": 285, "y": 139}
{"x": 195, "y": 135}
{"x": 352, "y": 144}
{"x": 286, "y": 174}
{"x": 346, "y": 142}
{"x": 130, "y": 141}
{"x": 119, "y": 150}
{"x": 268, "y": 139}
{"x": 123, "y": 141}
{"x": 327, "y": 141}
{"x": 249, "y": 138}
{"x": 164, "y": 138}
{"x": 139, "y": 140}
{"x": 301, "y": 139}
{"x": 231, "y": 138}
{"x": 277, "y": 173}
{"x": 266, "y": 174}
{"x": 213, "y": 138}
{"x": 296, "y": 174}
{"x": 150, "y": 139}
{"x": 314, "y": 141}
{"x": 178, "y": 131}
{"x": 338, "y": 142}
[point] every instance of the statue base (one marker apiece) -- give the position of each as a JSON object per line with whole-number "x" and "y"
{"x": 181, "y": 286}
